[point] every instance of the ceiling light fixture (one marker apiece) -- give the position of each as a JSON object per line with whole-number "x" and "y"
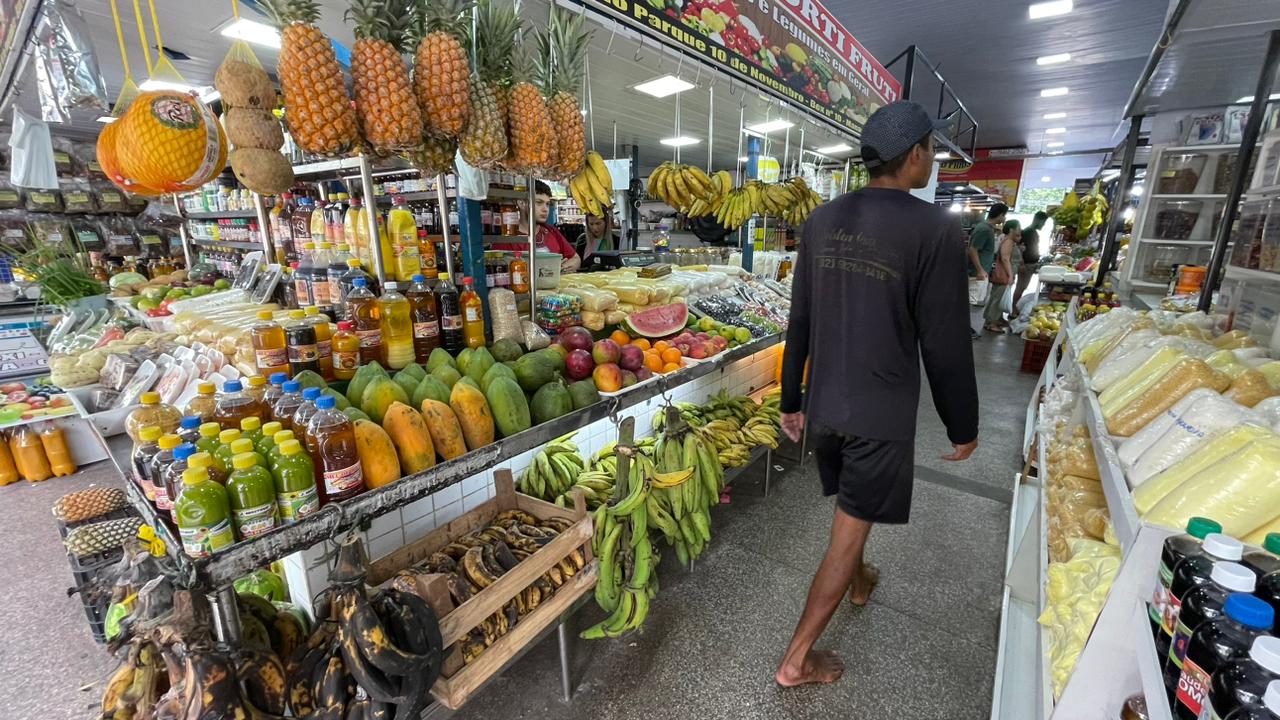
{"x": 680, "y": 141}
{"x": 1054, "y": 116}
{"x": 771, "y": 126}
{"x": 107, "y": 119}
{"x": 1055, "y": 131}
{"x": 254, "y": 32}
{"x": 1110, "y": 174}
{"x": 744, "y": 158}
{"x": 841, "y": 147}
{"x": 1055, "y": 152}
{"x": 957, "y": 207}
{"x": 664, "y": 86}
{"x": 1049, "y": 9}
{"x": 1046, "y": 178}
{"x": 1053, "y": 59}
{"x": 1054, "y": 92}
{"x": 1249, "y": 98}
{"x": 1137, "y": 191}
{"x": 1054, "y": 144}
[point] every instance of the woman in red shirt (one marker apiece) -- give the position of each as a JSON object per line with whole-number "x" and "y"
{"x": 547, "y": 238}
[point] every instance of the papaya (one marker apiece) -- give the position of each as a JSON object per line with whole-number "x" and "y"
{"x": 415, "y": 370}
{"x": 508, "y": 405}
{"x": 438, "y": 357}
{"x": 464, "y": 360}
{"x": 430, "y": 387}
{"x": 534, "y": 370}
{"x": 447, "y": 374}
{"x": 379, "y": 395}
{"x": 469, "y": 381}
{"x": 506, "y": 349}
{"x": 446, "y": 433}
{"x": 358, "y": 382}
{"x": 473, "y": 414}
{"x": 408, "y": 381}
{"x": 339, "y": 400}
{"x": 556, "y": 357}
{"x": 412, "y": 439}
{"x": 498, "y": 370}
{"x": 377, "y": 455}
{"x": 354, "y": 413}
{"x": 584, "y": 393}
{"x": 479, "y": 364}
{"x": 310, "y": 378}
{"x": 550, "y": 402}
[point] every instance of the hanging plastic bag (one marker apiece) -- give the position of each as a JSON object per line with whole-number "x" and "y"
{"x": 31, "y": 161}
{"x": 473, "y": 183}
{"x": 67, "y": 74}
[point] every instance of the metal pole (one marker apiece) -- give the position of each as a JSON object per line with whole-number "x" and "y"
{"x": 443, "y": 199}
{"x": 1109, "y": 245}
{"x": 264, "y": 234}
{"x": 226, "y": 615}
{"x": 742, "y": 118}
{"x": 1157, "y": 52}
{"x": 711, "y": 114}
{"x": 533, "y": 256}
{"x": 848, "y": 165}
{"x": 1248, "y": 143}
{"x": 186, "y": 236}
{"x": 909, "y": 72}
{"x": 633, "y": 199}
{"x": 563, "y": 634}
{"x": 371, "y": 216}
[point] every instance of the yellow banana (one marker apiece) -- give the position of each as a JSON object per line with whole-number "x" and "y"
{"x": 599, "y": 171}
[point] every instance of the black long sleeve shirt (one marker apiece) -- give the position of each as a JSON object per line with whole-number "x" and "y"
{"x": 880, "y": 283}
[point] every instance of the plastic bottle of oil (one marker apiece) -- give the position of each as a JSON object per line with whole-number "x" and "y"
{"x": 472, "y": 315}
{"x": 451, "y": 337}
{"x": 388, "y": 256}
{"x": 55, "y": 449}
{"x": 362, "y": 307}
{"x": 425, "y": 317}
{"x": 288, "y": 404}
{"x": 269, "y": 352}
{"x": 303, "y": 416}
{"x": 338, "y": 463}
{"x": 300, "y": 338}
{"x": 397, "y": 328}
{"x": 346, "y": 351}
{"x": 151, "y": 412}
{"x": 356, "y": 229}
{"x": 324, "y": 341}
{"x": 274, "y": 391}
{"x": 234, "y": 405}
{"x": 203, "y": 403}
{"x": 403, "y": 232}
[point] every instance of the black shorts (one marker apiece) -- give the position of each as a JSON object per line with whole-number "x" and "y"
{"x": 871, "y": 479}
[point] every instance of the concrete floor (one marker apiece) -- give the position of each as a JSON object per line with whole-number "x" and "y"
{"x": 924, "y": 648}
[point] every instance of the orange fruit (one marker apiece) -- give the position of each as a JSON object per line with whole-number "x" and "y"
{"x": 669, "y": 367}
{"x": 642, "y": 343}
{"x": 653, "y": 361}
{"x": 620, "y": 337}
{"x": 671, "y": 355}
{"x": 661, "y": 345}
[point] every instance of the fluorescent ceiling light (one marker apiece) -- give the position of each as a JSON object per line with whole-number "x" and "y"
{"x": 842, "y": 147}
{"x": 254, "y": 32}
{"x": 1137, "y": 190}
{"x": 1053, "y": 59}
{"x": 661, "y": 87}
{"x": 680, "y": 141}
{"x": 744, "y": 158}
{"x": 1054, "y": 116}
{"x": 1055, "y": 131}
{"x": 957, "y": 207}
{"x": 1049, "y": 9}
{"x": 1109, "y": 174}
{"x": 1055, "y": 152}
{"x": 1054, "y": 92}
{"x": 1046, "y": 178}
{"x": 771, "y": 126}
{"x": 1249, "y": 98}
{"x": 1128, "y": 213}
{"x": 107, "y": 119}
{"x": 1054, "y": 144}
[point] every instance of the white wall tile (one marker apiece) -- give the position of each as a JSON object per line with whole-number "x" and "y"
{"x": 315, "y": 555}
{"x": 447, "y": 495}
{"x": 417, "y": 509}
{"x": 476, "y": 482}
{"x": 447, "y": 513}
{"x": 474, "y": 500}
{"x": 384, "y": 524}
{"x": 419, "y": 527}
{"x": 386, "y": 544}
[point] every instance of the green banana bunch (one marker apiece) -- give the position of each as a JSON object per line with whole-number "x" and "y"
{"x": 626, "y": 581}
{"x": 553, "y": 471}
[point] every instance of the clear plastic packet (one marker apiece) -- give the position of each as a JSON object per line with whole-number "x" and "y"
{"x": 67, "y": 73}
{"x": 10, "y": 196}
{"x": 1242, "y": 492}
{"x": 1133, "y": 447}
{"x": 77, "y": 197}
{"x": 535, "y": 338}
{"x": 1208, "y": 454}
{"x": 1185, "y": 375}
{"x": 43, "y": 200}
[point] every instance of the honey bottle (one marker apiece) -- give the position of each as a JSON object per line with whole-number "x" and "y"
{"x": 362, "y": 307}
{"x": 346, "y": 351}
{"x": 256, "y": 386}
{"x": 234, "y": 405}
{"x": 302, "y": 416}
{"x": 269, "y": 351}
{"x": 151, "y": 412}
{"x": 203, "y": 403}
{"x": 340, "y": 475}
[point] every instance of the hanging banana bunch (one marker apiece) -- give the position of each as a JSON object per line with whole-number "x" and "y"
{"x": 592, "y": 187}
{"x": 681, "y": 185}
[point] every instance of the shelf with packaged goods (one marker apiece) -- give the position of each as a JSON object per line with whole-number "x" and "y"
{"x": 232, "y": 244}
{"x": 219, "y": 215}
{"x": 223, "y": 568}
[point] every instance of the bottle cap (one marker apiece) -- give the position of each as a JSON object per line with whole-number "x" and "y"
{"x": 1223, "y": 547}
{"x": 241, "y": 445}
{"x": 206, "y": 388}
{"x": 270, "y": 429}
{"x": 311, "y": 393}
{"x": 346, "y": 325}
{"x": 292, "y": 386}
{"x": 419, "y": 278}
{"x": 1266, "y": 652}
{"x": 309, "y": 246}
{"x": 243, "y": 460}
{"x": 280, "y": 437}
{"x": 169, "y": 441}
{"x": 210, "y": 429}
{"x": 326, "y": 402}
{"x": 333, "y": 197}
{"x": 398, "y": 200}
{"x": 1233, "y": 576}
{"x": 200, "y": 460}
{"x": 257, "y": 381}
{"x": 1272, "y": 543}
{"x": 194, "y": 476}
{"x": 311, "y": 310}
{"x": 353, "y": 262}
{"x": 290, "y": 447}
{"x": 467, "y": 281}
{"x": 264, "y": 314}
{"x": 184, "y": 451}
{"x": 190, "y": 422}
{"x": 150, "y": 398}
{"x": 279, "y": 378}
{"x": 344, "y": 248}
{"x": 355, "y": 202}
{"x": 1198, "y": 527}
{"x": 1249, "y": 611}
{"x": 150, "y": 433}
{"x": 228, "y": 436}
{"x": 391, "y": 286}
{"x": 296, "y": 314}
{"x": 324, "y": 246}
{"x": 443, "y": 276}
{"x": 232, "y": 386}
{"x": 1271, "y": 698}
{"x": 358, "y": 282}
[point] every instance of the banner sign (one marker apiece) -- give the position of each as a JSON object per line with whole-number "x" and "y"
{"x": 991, "y": 171}
{"x": 795, "y": 48}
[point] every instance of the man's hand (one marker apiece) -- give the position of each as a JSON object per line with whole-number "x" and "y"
{"x": 980, "y": 275}
{"x": 962, "y": 452}
{"x": 570, "y": 264}
{"x": 793, "y": 425}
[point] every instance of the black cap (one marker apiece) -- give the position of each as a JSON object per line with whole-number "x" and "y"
{"x": 894, "y": 129}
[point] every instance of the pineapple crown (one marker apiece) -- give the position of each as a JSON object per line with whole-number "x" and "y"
{"x": 387, "y": 20}
{"x": 562, "y": 53}
{"x": 497, "y": 25}
{"x": 448, "y": 16}
{"x": 287, "y": 12}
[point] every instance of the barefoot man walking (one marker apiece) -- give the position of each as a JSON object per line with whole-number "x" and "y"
{"x": 880, "y": 285}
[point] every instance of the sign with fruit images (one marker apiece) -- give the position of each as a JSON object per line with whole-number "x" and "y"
{"x": 795, "y": 48}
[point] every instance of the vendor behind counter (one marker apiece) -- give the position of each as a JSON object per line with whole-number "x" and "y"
{"x": 548, "y": 238}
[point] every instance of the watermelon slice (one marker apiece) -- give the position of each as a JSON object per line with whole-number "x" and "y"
{"x": 660, "y": 321}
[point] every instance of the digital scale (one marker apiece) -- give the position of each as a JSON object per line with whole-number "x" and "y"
{"x": 610, "y": 259}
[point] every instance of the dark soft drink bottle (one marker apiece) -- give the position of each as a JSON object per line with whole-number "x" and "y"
{"x": 1176, "y": 548}
{"x": 1266, "y": 560}
{"x": 1241, "y": 682}
{"x": 1216, "y": 643}
{"x": 450, "y": 309}
{"x": 1191, "y": 571}
{"x": 1269, "y": 709}
{"x": 1202, "y": 604}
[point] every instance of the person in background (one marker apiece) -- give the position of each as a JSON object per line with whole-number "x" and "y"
{"x": 1028, "y": 260}
{"x": 877, "y": 292}
{"x": 1001, "y": 278}
{"x": 547, "y": 238}
{"x": 599, "y": 235}
{"x": 982, "y": 252}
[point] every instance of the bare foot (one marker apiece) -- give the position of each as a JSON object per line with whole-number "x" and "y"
{"x": 819, "y": 666}
{"x": 860, "y": 590}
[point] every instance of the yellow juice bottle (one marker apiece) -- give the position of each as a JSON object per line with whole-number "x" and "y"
{"x": 397, "y": 328}
{"x": 388, "y": 256}
{"x": 403, "y": 231}
{"x": 472, "y": 315}
{"x": 356, "y": 231}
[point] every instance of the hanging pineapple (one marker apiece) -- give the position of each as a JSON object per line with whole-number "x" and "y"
{"x": 441, "y": 72}
{"x": 531, "y": 137}
{"x": 167, "y": 141}
{"x": 563, "y": 49}
{"x": 484, "y": 140}
{"x": 317, "y": 107}
{"x": 434, "y": 157}
{"x": 385, "y": 103}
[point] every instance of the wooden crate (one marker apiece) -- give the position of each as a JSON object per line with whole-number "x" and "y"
{"x": 453, "y": 692}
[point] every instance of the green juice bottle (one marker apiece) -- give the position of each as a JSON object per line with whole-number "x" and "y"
{"x": 268, "y": 440}
{"x": 222, "y": 455}
{"x": 245, "y": 445}
{"x": 274, "y": 455}
{"x": 251, "y": 428}
{"x": 251, "y": 493}
{"x": 208, "y": 443}
{"x": 295, "y": 482}
{"x": 202, "y": 512}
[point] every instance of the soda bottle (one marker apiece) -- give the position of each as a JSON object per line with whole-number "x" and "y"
{"x": 285, "y": 249}
{"x": 320, "y": 278}
{"x": 160, "y": 461}
{"x": 300, "y": 338}
{"x": 337, "y": 214}
{"x": 425, "y": 317}
{"x": 1242, "y": 682}
{"x": 208, "y": 443}
{"x": 363, "y": 307}
{"x": 303, "y": 416}
{"x": 397, "y": 328}
{"x": 234, "y": 405}
{"x": 451, "y": 337}
{"x": 269, "y": 352}
{"x": 324, "y": 341}
{"x": 288, "y": 404}
{"x": 1200, "y": 604}
{"x": 1175, "y": 548}
{"x": 346, "y": 351}
{"x": 1264, "y": 561}
{"x": 251, "y": 493}
{"x": 274, "y": 391}
{"x": 264, "y": 444}
{"x": 302, "y": 276}
{"x": 202, "y": 511}
{"x": 203, "y": 403}
{"x": 251, "y": 429}
{"x": 337, "y": 267}
{"x": 403, "y": 232}
{"x": 295, "y": 482}
{"x": 256, "y": 387}
{"x": 140, "y": 460}
{"x": 171, "y": 476}
{"x": 1215, "y": 643}
{"x": 273, "y": 456}
{"x": 472, "y": 315}
{"x": 348, "y": 281}
{"x": 338, "y": 462}
{"x": 519, "y": 274}
{"x": 1191, "y": 571}
{"x": 300, "y": 226}
{"x": 151, "y": 412}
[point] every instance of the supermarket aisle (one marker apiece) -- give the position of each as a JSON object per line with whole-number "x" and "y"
{"x": 923, "y": 649}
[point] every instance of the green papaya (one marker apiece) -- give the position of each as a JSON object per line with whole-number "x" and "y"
{"x": 557, "y": 360}
{"x": 464, "y": 359}
{"x": 364, "y": 375}
{"x": 584, "y": 393}
{"x": 506, "y": 349}
{"x": 414, "y": 369}
{"x": 479, "y": 364}
{"x": 534, "y": 370}
{"x": 407, "y": 380}
{"x": 498, "y": 370}
{"x": 379, "y": 395}
{"x": 550, "y": 402}
{"x": 339, "y": 400}
{"x": 508, "y": 405}
{"x": 468, "y": 381}
{"x": 354, "y": 413}
{"x": 438, "y": 357}
{"x": 447, "y": 374}
{"x": 430, "y": 387}
{"x": 310, "y": 378}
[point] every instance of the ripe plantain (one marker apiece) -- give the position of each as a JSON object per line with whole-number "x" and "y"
{"x": 120, "y": 681}
{"x": 474, "y": 568}
{"x": 262, "y": 676}
{"x": 375, "y": 643}
{"x": 375, "y": 682}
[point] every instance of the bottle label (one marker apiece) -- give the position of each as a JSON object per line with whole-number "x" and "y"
{"x": 163, "y": 501}
{"x": 335, "y": 290}
{"x": 370, "y": 338}
{"x": 1178, "y": 648}
{"x": 321, "y": 290}
{"x": 450, "y": 322}
{"x": 270, "y": 358}
{"x": 254, "y": 521}
{"x": 502, "y": 278}
{"x": 1193, "y": 687}
{"x": 303, "y": 353}
{"x": 1160, "y": 596}
{"x": 302, "y": 289}
{"x": 346, "y": 360}
{"x": 517, "y": 277}
{"x": 324, "y": 348}
{"x": 511, "y": 217}
{"x": 472, "y": 315}
{"x": 144, "y": 484}
{"x": 296, "y": 505}
{"x": 204, "y": 540}
{"x": 426, "y": 329}
{"x": 1172, "y": 607}
{"x": 428, "y": 261}
{"x": 345, "y": 480}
